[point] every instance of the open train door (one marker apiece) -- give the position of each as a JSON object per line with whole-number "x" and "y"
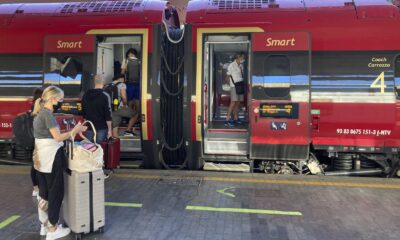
{"x": 280, "y": 96}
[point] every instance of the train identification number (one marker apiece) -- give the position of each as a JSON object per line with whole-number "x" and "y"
{"x": 6, "y": 125}
{"x": 368, "y": 132}
{"x": 280, "y": 42}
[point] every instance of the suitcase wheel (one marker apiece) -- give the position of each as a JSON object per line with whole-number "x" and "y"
{"x": 78, "y": 236}
{"x": 101, "y": 230}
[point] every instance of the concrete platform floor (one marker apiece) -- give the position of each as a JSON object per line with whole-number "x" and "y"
{"x": 208, "y": 205}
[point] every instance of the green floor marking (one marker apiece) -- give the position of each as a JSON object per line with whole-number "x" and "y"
{"x": 9, "y": 220}
{"x": 243, "y": 210}
{"x": 116, "y": 204}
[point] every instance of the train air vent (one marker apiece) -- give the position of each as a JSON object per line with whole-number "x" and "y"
{"x": 241, "y": 4}
{"x": 101, "y": 7}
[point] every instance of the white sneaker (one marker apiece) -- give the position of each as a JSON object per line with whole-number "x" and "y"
{"x": 35, "y": 193}
{"x": 59, "y": 233}
{"x": 43, "y": 230}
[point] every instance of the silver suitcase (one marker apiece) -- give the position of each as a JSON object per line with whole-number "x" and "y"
{"x": 83, "y": 206}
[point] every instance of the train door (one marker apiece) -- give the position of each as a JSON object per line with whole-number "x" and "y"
{"x": 219, "y": 52}
{"x": 280, "y": 96}
{"x": 111, "y": 53}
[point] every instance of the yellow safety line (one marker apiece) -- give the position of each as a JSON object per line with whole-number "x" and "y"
{"x": 8, "y": 221}
{"x": 117, "y": 204}
{"x": 243, "y": 210}
{"x": 251, "y": 180}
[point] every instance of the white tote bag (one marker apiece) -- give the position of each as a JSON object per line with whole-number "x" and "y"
{"x": 84, "y": 160}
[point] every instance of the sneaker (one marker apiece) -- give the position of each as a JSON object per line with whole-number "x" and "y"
{"x": 129, "y": 134}
{"x": 35, "y": 193}
{"x": 43, "y": 230}
{"x": 229, "y": 124}
{"x": 60, "y": 232}
{"x": 238, "y": 122}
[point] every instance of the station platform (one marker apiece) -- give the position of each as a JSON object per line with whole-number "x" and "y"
{"x": 161, "y": 204}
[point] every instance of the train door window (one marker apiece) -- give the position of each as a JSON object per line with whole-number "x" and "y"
{"x": 111, "y": 58}
{"x": 20, "y": 74}
{"x": 275, "y": 81}
{"x": 72, "y": 72}
{"x": 397, "y": 77}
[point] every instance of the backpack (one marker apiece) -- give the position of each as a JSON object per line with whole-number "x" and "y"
{"x": 23, "y": 130}
{"x": 112, "y": 90}
{"x": 133, "y": 71}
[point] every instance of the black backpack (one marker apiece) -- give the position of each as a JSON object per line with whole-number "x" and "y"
{"x": 113, "y": 92}
{"x": 133, "y": 71}
{"x": 23, "y": 130}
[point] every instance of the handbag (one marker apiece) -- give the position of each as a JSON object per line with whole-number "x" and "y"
{"x": 239, "y": 87}
{"x": 85, "y": 156}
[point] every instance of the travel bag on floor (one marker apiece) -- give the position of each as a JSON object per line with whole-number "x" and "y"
{"x": 83, "y": 205}
{"x": 112, "y": 153}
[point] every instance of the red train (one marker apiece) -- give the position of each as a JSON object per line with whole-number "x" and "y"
{"x": 322, "y": 78}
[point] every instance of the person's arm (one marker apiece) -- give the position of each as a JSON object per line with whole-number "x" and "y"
{"x": 123, "y": 97}
{"x": 59, "y": 137}
{"x": 109, "y": 126}
{"x": 108, "y": 115}
{"x": 124, "y": 66}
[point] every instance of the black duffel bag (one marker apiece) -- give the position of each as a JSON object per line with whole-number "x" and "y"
{"x": 239, "y": 87}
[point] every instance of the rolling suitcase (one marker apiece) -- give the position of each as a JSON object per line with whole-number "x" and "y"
{"x": 112, "y": 153}
{"x": 83, "y": 206}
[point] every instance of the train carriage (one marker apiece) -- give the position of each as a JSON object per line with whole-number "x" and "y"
{"x": 322, "y": 81}
{"x": 66, "y": 44}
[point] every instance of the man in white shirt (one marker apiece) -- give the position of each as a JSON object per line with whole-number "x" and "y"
{"x": 235, "y": 75}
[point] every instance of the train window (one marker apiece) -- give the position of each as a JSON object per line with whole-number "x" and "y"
{"x": 275, "y": 80}
{"x": 20, "y": 74}
{"x": 397, "y": 77}
{"x": 72, "y": 72}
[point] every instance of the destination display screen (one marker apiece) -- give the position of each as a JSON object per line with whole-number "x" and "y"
{"x": 74, "y": 108}
{"x": 279, "y": 110}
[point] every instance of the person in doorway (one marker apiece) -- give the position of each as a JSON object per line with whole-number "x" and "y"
{"x": 131, "y": 68}
{"x": 96, "y": 107}
{"x": 123, "y": 109}
{"x": 50, "y": 161}
{"x": 235, "y": 75}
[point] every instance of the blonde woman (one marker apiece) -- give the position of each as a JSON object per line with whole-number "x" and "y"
{"x": 50, "y": 161}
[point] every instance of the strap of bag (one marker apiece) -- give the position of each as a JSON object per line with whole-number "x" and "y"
{"x": 232, "y": 79}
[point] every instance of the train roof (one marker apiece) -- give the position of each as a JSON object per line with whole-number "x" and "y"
{"x": 237, "y": 11}
{"x": 33, "y": 15}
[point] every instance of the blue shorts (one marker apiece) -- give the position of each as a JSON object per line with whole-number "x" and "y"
{"x": 133, "y": 91}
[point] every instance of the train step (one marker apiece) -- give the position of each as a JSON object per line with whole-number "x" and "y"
{"x": 227, "y": 167}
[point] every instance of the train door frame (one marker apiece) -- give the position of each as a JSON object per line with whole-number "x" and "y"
{"x": 146, "y": 131}
{"x": 129, "y": 144}
{"x": 198, "y": 101}
{"x": 276, "y": 146}
{"x": 219, "y": 139}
